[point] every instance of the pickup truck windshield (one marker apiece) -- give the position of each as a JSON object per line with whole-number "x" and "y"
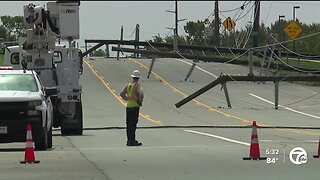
{"x": 18, "y": 82}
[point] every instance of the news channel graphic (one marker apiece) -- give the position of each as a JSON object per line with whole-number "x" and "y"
{"x": 297, "y": 156}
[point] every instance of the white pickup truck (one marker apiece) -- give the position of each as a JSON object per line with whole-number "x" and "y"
{"x": 23, "y": 101}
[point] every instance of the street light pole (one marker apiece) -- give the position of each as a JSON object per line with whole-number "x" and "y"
{"x": 281, "y": 34}
{"x": 294, "y": 12}
{"x": 294, "y": 19}
{"x": 281, "y": 16}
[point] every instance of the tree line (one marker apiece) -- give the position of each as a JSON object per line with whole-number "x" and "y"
{"x": 243, "y": 38}
{"x": 12, "y": 27}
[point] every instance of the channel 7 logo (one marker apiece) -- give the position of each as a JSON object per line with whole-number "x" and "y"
{"x": 298, "y": 156}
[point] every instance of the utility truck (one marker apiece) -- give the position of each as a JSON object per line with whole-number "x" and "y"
{"x": 57, "y": 66}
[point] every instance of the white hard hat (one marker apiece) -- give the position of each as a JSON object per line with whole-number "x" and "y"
{"x": 136, "y": 74}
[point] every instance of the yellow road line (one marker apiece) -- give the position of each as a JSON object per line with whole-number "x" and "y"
{"x": 217, "y": 111}
{"x": 112, "y": 91}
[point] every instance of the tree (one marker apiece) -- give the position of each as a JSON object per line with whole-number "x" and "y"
{"x": 20, "y": 28}
{"x": 14, "y": 27}
{"x": 3, "y": 32}
{"x": 195, "y": 31}
{"x": 243, "y": 38}
{"x": 309, "y": 45}
{"x": 99, "y": 52}
{"x": 157, "y": 39}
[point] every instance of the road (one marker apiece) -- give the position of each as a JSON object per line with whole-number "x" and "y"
{"x": 204, "y": 139}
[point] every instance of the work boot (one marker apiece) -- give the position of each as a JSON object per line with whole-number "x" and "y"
{"x": 134, "y": 143}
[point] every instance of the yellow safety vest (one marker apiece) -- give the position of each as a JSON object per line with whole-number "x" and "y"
{"x": 131, "y": 103}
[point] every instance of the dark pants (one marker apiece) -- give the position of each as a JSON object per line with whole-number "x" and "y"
{"x": 132, "y": 120}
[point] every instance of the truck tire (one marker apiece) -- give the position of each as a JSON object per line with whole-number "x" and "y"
{"x": 79, "y": 117}
{"x": 50, "y": 138}
{"x": 78, "y": 125}
{"x": 43, "y": 144}
{"x": 66, "y": 132}
{"x": 57, "y": 119}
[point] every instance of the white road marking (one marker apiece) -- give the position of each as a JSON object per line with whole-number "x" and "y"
{"x": 289, "y": 141}
{"x": 290, "y": 109}
{"x": 311, "y": 141}
{"x": 248, "y": 144}
{"x": 184, "y": 61}
{"x": 218, "y": 137}
{"x": 265, "y": 140}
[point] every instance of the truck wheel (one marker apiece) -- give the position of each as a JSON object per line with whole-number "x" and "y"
{"x": 77, "y": 124}
{"x": 43, "y": 144}
{"x": 57, "y": 118}
{"x": 79, "y": 117}
{"x": 56, "y": 114}
{"x": 50, "y": 138}
{"x": 66, "y": 132}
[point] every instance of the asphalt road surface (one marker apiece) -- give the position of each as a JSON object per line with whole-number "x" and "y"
{"x": 203, "y": 139}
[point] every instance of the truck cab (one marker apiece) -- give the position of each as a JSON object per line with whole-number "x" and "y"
{"x": 64, "y": 75}
{"x": 23, "y": 101}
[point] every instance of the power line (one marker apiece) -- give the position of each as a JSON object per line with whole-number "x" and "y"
{"x": 288, "y": 65}
{"x": 182, "y": 30}
{"x": 302, "y": 99}
{"x": 132, "y": 33}
{"x": 245, "y": 14}
{"x": 300, "y": 2}
{"x": 241, "y": 7}
{"x": 247, "y": 33}
{"x": 268, "y": 13}
{"x": 236, "y": 38}
{"x": 254, "y": 14}
{"x": 301, "y": 55}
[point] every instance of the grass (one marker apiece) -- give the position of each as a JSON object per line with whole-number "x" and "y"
{"x": 303, "y": 63}
{"x": 290, "y": 61}
{"x": 1, "y": 59}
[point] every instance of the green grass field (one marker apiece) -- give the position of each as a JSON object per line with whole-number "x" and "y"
{"x": 303, "y": 63}
{"x": 290, "y": 61}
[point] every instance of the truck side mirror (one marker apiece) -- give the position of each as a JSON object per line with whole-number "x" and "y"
{"x": 50, "y": 91}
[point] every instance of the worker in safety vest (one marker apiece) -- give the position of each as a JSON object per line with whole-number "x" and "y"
{"x": 133, "y": 94}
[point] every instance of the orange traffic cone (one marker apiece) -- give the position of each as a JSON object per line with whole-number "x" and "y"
{"x": 317, "y": 156}
{"x": 254, "y": 146}
{"x": 29, "y": 156}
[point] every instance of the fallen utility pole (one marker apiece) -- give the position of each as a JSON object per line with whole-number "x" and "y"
{"x": 224, "y": 78}
{"x": 214, "y": 49}
{"x": 173, "y": 55}
{"x": 210, "y": 59}
{"x": 169, "y": 46}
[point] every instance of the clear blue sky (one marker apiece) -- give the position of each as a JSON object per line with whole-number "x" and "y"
{"x": 103, "y": 19}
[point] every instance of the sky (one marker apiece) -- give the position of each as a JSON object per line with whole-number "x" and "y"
{"x": 103, "y": 19}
